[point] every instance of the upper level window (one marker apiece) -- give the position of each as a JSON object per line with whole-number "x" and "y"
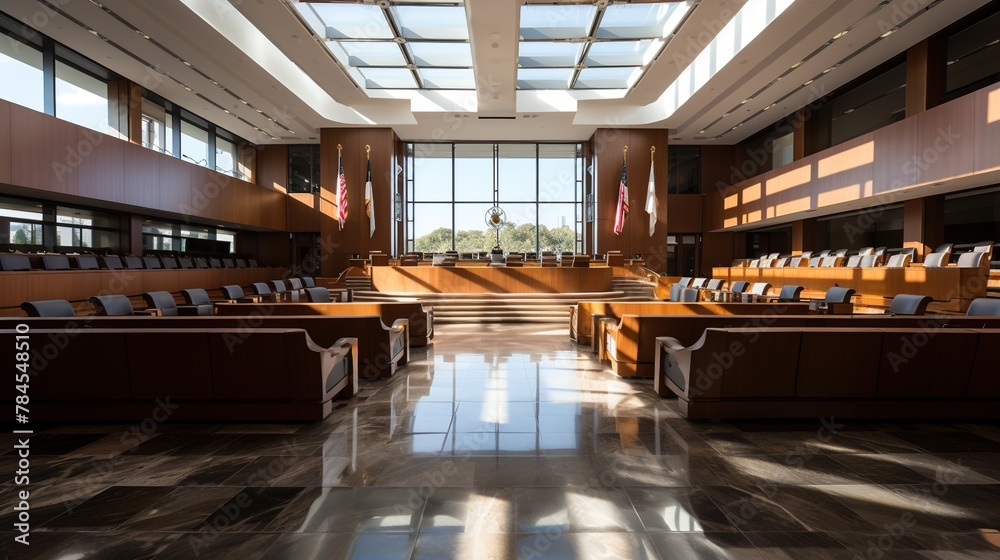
{"x": 81, "y": 98}
{"x": 21, "y": 68}
{"x": 225, "y": 157}
{"x": 303, "y": 169}
{"x": 194, "y": 143}
{"x": 684, "y": 169}
{"x": 157, "y": 134}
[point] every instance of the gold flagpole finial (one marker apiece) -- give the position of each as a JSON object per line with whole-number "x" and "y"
{"x": 368, "y": 151}
{"x": 624, "y": 150}
{"x": 652, "y": 150}
{"x": 339, "y": 147}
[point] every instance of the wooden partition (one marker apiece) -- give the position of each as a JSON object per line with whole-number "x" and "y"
{"x": 79, "y": 285}
{"x": 956, "y": 286}
{"x": 437, "y": 279}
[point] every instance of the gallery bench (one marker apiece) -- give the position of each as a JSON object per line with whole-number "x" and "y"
{"x": 818, "y": 372}
{"x": 126, "y": 374}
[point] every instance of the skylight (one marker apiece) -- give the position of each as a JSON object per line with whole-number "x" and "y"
{"x": 584, "y": 47}
{"x": 398, "y": 46}
{"x": 404, "y": 45}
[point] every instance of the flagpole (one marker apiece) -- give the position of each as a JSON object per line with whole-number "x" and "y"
{"x": 369, "y": 197}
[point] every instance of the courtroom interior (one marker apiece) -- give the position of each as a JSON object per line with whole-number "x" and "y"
{"x": 303, "y": 279}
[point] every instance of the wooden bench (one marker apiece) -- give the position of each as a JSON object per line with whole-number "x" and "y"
{"x": 586, "y": 313}
{"x": 630, "y": 343}
{"x": 381, "y": 349}
{"x": 852, "y": 372}
{"x": 420, "y": 319}
{"x": 105, "y": 374}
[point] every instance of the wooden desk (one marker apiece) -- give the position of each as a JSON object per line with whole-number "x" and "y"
{"x": 956, "y": 286}
{"x": 480, "y": 280}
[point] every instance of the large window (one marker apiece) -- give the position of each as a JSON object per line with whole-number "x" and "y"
{"x": 450, "y": 188}
{"x": 225, "y": 156}
{"x": 81, "y": 98}
{"x": 21, "y": 68}
{"x": 167, "y": 236}
{"x": 974, "y": 57}
{"x": 684, "y": 169}
{"x": 80, "y": 229}
{"x": 303, "y": 169}
{"x": 194, "y": 143}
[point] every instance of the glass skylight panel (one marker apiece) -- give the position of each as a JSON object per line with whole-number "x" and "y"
{"x": 607, "y": 78}
{"x": 388, "y": 78}
{"x": 622, "y": 53}
{"x": 563, "y": 21}
{"x": 638, "y": 21}
{"x": 544, "y": 78}
{"x": 534, "y": 54}
{"x": 432, "y": 22}
{"x": 372, "y": 53}
{"x": 448, "y": 78}
{"x": 441, "y": 54}
{"x": 353, "y": 21}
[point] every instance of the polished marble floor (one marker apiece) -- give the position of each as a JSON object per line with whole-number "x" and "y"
{"x": 510, "y": 442}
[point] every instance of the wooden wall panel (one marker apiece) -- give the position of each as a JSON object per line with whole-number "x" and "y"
{"x": 272, "y": 167}
{"x": 273, "y": 209}
{"x": 5, "y": 141}
{"x": 987, "y": 130}
{"x": 141, "y": 177}
{"x": 895, "y": 152}
{"x": 337, "y": 245}
{"x": 174, "y": 197}
{"x": 46, "y": 152}
{"x": 683, "y": 213}
{"x": 102, "y": 172}
{"x": 946, "y": 141}
{"x": 606, "y": 145}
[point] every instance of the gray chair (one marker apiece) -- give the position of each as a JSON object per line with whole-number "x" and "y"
{"x": 262, "y": 290}
{"x": 684, "y": 281}
{"x": 87, "y": 262}
{"x": 169, "y": 263}
{"x": 132, "y": 262}
{"x": 936, "y": 260}
{"x": 871, "y": 261}
{"x": 111, "y": 262}
{"x": 760, "y": 288}
{"x": 853, "y": 261}
{"x": 48, "y": 308}
{"x": 308, "y": 281}
{"x": 838, "y": 295}
{"x": 235, "y": 293}
{"x": 739, "y": 286}
{"x": 909, "y": 304}
{"x": 971, "y": 260}
{"x": 112, "y": 306}
{"x": 318, "y": 295}
{"x": 161, "y": 301}
{"x": 185, "y": 262}
{"x": 984, "y": 307}
{"x": 14, "y": 261}
{"x": 55, "y": 262}
{"x": 699, "y": 282}
{"x": 196, "y": 302}
{"x": 790, "y": 293}
{"x": 151, "y": 263}
{"x": 688, "y": 295}
{"x": 715, "y": 284}
{"x": 901, "y": 260}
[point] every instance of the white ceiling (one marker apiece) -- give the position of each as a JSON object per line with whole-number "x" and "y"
{"x": 256, "y": 59}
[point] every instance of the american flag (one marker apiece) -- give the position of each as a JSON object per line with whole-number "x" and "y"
{"x": 622, "y": 211}
{"x": 341, "y": 193}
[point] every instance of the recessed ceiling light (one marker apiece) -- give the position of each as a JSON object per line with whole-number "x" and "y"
{"x": 849, "y": 111}
{"x": 830, "y": 69}
{"x": 808, "y": 82}
{"x": 839, "y": 35}
{"x": 186, "y": 63}
{"x": 797, "y": 64}
{"x": 702, "y": 132}
{"x": 887, "y": 33}
{"x": 747, "y": 100}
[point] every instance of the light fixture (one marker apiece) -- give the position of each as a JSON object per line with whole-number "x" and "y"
{"x": 887, "y": 33}
{"x": 839, "y": 35}
{"x": 808, "y": 82}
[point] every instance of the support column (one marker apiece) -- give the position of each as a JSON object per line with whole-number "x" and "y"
{"x": 804, "y": 235}
{"x": 923, "y": 224}
{"x": 926, "y": 75}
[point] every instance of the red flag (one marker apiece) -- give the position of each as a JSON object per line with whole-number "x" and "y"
{"x": 622, "y": 211}
{"x": 341, "y": 193}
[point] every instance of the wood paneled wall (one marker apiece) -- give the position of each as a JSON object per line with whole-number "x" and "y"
{"x": 954, "y": 141}
{"x": 60, "y": 158}
{"x": 606, "y": 145}
{"x": 337, "y": 245}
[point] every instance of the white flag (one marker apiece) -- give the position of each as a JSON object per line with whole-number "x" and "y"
{"x": 651, "y": 201}
{"x": 369, "y": 203}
